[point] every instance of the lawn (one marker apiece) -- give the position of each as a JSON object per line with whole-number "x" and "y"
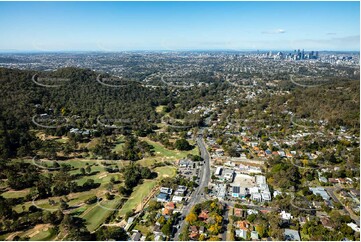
{"x": 148, "y": 161}
{"x": 118, "y": 144}
{"x": 139, "y": 193}
{"x": 15, "y": 194}
{"x": 166, "y": 171}
{"x": 39, "y": 232}
{"x": 44, "y": 235}
{"x": 96, "y": 215}
{"x": 62, "y": 140}
{"x": 161, "y": 151}
{"x": 143, "y": 229}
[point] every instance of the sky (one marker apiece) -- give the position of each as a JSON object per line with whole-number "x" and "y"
{"x": 119, "y": 26}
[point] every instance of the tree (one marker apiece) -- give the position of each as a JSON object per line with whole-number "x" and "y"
{"x": 214, "y": 238}
{"x": 63, "y": 204}
{"x": 167, "y": 228}
{"x": 182, "y": 144}
{"x": 214, "y": 229}
{"x": 154, "y": 205}
{"x": 91, "y": 200}
{"x": 191, "y": 218}
{"x": 125, "y": 191}
{"x": 261, "y": 230}
{"x": 161, "y": 220}
{"x": 111, "y": 233}
{"x": 88, "y": 169}
{"x": 251, "y": 217}
{"x": 108, "y": 196}
{"x": 82, "y": 171}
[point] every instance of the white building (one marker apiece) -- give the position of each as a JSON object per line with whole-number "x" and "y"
{"x": 266, "y": 196}
{"x": 177, "y": 199}
{"x": 166, "y": 190}
{"x": 260, "y": 180}
{"x": 256, "y": 197}
{"x": 354, "y": 227}
{"x": 218, "y": 171}
{"x": 285, "y": 216}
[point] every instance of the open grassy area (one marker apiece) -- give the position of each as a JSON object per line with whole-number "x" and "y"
{"x": 139, "y": 193}
{"x": 165, "y": 171}
{"x": 96, "y": 215}
{"x": 118, "y": 144}
{"x": 143, "y": 229}
{"x": 37, "y": 233}
{"x": 62, "y": 140}
{"x": 44, "y": 235}
{"x": 161, "y": 151}
{"x": 15, "y": 194}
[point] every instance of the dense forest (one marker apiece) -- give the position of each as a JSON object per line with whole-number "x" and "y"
{"x": 81, "y": 102}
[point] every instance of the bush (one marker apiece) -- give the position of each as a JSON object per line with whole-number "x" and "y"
{"x": 91, "y": 200}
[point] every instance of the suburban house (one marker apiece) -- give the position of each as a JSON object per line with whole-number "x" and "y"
{"x": 291, "y": 235}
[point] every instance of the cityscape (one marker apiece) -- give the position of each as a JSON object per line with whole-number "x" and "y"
{"x": 188, "y": 137}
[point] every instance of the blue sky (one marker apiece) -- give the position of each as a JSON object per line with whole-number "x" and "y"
{"x": 116, "y": 26}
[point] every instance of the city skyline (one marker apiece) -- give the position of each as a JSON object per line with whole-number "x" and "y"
{"x": 177, "y": 26}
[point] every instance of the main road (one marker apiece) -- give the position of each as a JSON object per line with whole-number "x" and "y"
{"x": 198, "y": 195}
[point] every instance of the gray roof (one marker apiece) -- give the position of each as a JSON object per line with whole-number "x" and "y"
{"x": 292, "y": 235}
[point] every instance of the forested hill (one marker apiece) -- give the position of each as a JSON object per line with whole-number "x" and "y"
{"x": 337, "y": 102}
{"x": 80, "y": 95}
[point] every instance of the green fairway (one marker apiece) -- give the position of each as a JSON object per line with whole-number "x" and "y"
{"x": 119, "y": 144}
{"x": 44, "y": 235}
{"x": 165, "y": 171}
{"x": 96, "y": 215}
{"x": 139, "y": 193}
{"x": 15, "y": 194}
{"x": 161, "y": 151}
{"x": 62, "y": 140}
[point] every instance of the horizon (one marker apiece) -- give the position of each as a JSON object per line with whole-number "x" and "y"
{"x": 46, "y": 27}
{"x": 169, "y": 51}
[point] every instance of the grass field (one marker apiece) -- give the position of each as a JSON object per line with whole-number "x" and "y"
{"x": 15, "y": 194}
{"x": 143, "y": 229}
{"x": 44, "y": 235}
{"x": 161, "y": 151}
{"x": 62, "y": 140}
{"x": 95, "y": 215}
{"x": 139, "y": 193}
{"x": 40, "y": 232}
{"x": 119, "y": 144}
{"x": 165, "y": 171}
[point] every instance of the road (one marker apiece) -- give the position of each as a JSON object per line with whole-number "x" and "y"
{"x": 250, "y": 206}
{"x": 330, "y": 191}
{"x": 225, "y": 224}
{"x": 198, "y": 195}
